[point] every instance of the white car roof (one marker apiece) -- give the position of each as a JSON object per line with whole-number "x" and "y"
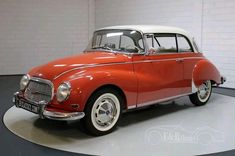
{"x": 151, "y": 29}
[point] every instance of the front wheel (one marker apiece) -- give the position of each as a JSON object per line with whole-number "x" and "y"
{"x": 202, "y": 95}
{"x": 103, "y": 111}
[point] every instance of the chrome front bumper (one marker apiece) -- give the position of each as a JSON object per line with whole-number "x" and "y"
{"x": 43, "y": 113}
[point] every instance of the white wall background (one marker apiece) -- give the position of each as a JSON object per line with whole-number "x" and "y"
{"x": 212, "y": 22}
{"x": 33, "y": 32}
{"x": 219, "y": 36}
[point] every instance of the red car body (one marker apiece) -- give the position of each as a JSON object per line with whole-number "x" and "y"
{"x": 141, "y": 78}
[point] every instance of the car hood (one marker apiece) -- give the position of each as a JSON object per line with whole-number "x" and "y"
{"x": 55, "y": 69}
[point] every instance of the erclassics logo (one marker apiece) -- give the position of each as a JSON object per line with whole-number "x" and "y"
{"x": 177, "y": 134}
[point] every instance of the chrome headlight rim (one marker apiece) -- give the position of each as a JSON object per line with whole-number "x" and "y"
{"x": 24, "y": 81}
{"x": 63, "y": 87}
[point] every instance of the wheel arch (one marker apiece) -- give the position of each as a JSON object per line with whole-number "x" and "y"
{"x": 114, "y": 87}
{"x": 205, "y": 70}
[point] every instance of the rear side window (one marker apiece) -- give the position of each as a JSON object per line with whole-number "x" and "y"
{"x": 183, "y": 44}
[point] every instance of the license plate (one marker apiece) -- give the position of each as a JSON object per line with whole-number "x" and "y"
{"x": 28, "y": 106}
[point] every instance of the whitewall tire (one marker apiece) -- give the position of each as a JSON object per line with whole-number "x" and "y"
{"x": 203, "y": 94}
{"x": 103, "y": 111}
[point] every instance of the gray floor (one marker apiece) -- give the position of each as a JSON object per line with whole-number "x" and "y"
{"x": 10, "y": 144}
{"x": 9, "y": 141}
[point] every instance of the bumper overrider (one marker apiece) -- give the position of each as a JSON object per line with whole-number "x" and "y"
{"x": 223, "y": 79}
{"x": 40, "y": 109}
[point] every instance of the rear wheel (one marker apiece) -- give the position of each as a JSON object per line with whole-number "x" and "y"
{"x": 202, "y": 95}
{"x": 103, "y": 111}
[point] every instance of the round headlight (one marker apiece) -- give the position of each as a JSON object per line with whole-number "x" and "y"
{"x": 24, "y": 81}
{"x": 63, "y": 91}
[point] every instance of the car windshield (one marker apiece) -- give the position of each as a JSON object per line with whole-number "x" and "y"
{"x": 130, "y": 41}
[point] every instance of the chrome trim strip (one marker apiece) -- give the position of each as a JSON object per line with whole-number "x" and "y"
{"x": 63, "y": 116}
{"x": 113, "y": 51}
{"x": 161, "y": 100}
{"x": 131, "y": 107}
{"x": 118, "y": 63}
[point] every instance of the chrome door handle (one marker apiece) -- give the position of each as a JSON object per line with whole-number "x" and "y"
{"x": 179, "y": 60}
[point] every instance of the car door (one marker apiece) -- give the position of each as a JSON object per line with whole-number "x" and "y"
{"x": 159, "y": 73}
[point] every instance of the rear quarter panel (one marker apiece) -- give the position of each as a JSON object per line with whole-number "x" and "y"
{"x": 205, "y": 70}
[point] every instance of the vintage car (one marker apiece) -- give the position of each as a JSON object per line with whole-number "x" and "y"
{"x": 123, "y": 68}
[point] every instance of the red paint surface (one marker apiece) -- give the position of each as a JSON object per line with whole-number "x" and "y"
{"x": 142, "y": 78}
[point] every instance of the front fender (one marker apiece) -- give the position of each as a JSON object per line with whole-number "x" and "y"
{"x": 205, "y": 70}
{"x": 85, "y": 81}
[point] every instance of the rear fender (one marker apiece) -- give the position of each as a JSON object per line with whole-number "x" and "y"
{"x": 204, "y": 70}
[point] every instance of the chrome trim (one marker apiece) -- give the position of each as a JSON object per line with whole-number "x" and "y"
{"x": 36, "y": 79}
{"x": 63, "y": 116}
{"x": 15, "y": 98}
{"x": 118, "y": 63}
{"x": 223, "y": 79}
{"x": 29, "y": 77}
{"x": 113, "y": 51}
{"x": 43, "y": 113}
{"x": 69, "y": 86}
{"x": 194, "y": 88}
{"x": 42, "y": 105}
{"x": 131, "y": 107}
{"x": 189, "y": 39}
{"x": 161, "y": 100}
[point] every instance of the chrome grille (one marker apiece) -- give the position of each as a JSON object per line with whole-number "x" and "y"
{"x": 37, "y": 91}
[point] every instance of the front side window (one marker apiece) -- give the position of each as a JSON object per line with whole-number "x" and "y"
{"x": 167, "y": 43}
{"x": 117, "y": 40}
{"x": 161, "y": 43}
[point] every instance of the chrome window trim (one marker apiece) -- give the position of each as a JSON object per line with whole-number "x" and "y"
{"x": 190, "y": 42}
{"x": 113, "y": 51}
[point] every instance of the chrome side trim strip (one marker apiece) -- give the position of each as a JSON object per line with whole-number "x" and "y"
{"x": 131, "y": 107}
{"x": 118, "y": 63}
{"x": 161, "y": 100}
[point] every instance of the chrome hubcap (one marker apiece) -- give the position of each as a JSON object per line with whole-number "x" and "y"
{"x": 204, "y": 91}
{"x": 105, "y": 112}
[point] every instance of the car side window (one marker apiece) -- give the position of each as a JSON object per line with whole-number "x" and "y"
{"x": 183, "y": 44}
{"x": 166, "y": 42}
{"x": 151, "y": 41}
